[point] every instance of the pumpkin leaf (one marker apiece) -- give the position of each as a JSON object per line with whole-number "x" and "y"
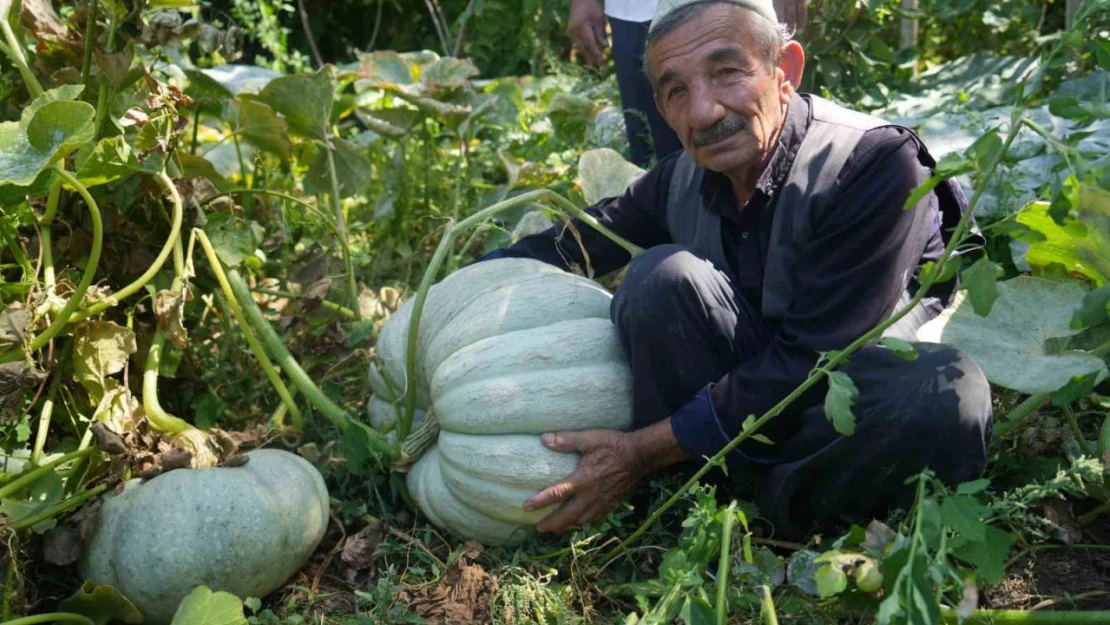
{"x": 42, "y": 495}
{"x": 305, "y": 100}
{"x": 1010, "y": 344}
{"x": 1094, "y": 310}
{"x": 838, "y": 402}
{"x": 603, "y": 173}
{"x": 981, "y": 281}
{"x": 102, "y": 604}
{"x": 109, "y": 159}
{"x": 261, "y": 126}
{"x": 233, "y": 238}
{"x": 988, "y": 555}
{"x": 204, "y": 607}
{"x": 54, "y": 131}
{"x": 352, "y": 169}
{"x": 1081, "y": 243}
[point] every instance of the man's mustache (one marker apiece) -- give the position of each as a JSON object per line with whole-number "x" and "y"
{"x": 730, "y": 125}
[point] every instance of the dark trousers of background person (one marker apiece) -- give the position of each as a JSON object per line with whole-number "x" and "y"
{"x": 683, "y": 327}
{"x": 637, "y": 99}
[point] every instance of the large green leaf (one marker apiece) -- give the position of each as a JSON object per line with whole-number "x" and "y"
{"x": 261, "y": 126}
{"x": 204, "y": 607}
{"x": 101, "y": 603}
{"x": 1081, "y": 244}
{"x": 107, "y": 160}
{"x": 232, "y": 238}
{"x": 65, "y": 93}
{"x": 1009, "y": 344}
{"x": 305, "y": 100}
{"x": 55, "y": 130}
{"x": 604, "y": 173}
{"x": 352, "y": 169}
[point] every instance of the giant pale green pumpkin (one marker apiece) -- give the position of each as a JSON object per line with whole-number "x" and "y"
{"x": 245, "y": 530}
{"x": 508, "y": 349}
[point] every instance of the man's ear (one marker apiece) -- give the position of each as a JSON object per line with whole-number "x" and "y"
{"x": 792, "y": 63}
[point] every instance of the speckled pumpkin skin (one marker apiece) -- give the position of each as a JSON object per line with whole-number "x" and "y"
{"x": 244, "y": 530}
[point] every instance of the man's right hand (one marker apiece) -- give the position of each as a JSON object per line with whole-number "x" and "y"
{"x": 586, "y": 27}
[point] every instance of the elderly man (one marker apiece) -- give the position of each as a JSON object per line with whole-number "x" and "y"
{"x": 777, "y": 233}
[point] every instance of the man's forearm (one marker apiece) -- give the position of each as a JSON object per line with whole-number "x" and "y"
{"x": 657, "y": 447}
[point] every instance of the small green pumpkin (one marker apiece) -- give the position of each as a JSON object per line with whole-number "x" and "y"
{"x": 508, "y": 349}
{"x": 244, "y": 530}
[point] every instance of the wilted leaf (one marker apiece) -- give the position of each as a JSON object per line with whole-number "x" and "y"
{"x": 14, "y": 321}
{"x": 232, "y": 238}
{"x": 101, "y": 349}
{"x": 385, "y": 67}
{"x": 877, "y": 536}
{"x": 603, "y": 173}
{"x": 359, "y": 550}
{"x": 305, "y": 100}
{"x": 204, "y": 607}
{"x": 1010, "y": 343}
{"x": 40, "y": 19}
{"x": 981, "y": 282}
{"x": 447, "y": 73}
{"x": 118, "y": 410}
{"x": 169, "y": 307}
{"x": 115, "y": 65}
{"x": 101, "y": 603}
{"x": 838, "y": 402}
{"x": 261, "y": 126}
{"x": 16, "y": 378}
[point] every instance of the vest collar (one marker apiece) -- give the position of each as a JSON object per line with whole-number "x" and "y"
{"x": 716, "y": 191}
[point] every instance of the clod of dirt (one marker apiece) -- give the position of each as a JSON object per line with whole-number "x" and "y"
{"x": 108, "y": 441}
{"x": 62, "y": 546}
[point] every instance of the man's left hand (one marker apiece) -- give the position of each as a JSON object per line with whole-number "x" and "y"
{"x": 610, "y": 466}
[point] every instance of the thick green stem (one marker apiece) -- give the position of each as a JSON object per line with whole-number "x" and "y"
{"x": 252, "y": 340}
{"x": 14, "y": 50}
{"x": 52, "y": 200}
{"x": 1073, "y": 425}
{"x": 86, "y": 279}
{"x": 404, "y": 424}
{"x": 724, "y": 564}
{"x": 158, "y": 417}
{"x": 176, "y": 216}
{"x": 1022, "y": 617}
{"x": 53, "y": 617}
{"x": 767, "y": 607}
{"x": 839, "y": 357}
{"x": 300, "y": 378}
{"x": 341, "y": 228}
{"x": 30, "y": 477}
{"x": 61, "y": 508}
{"x": 47, "y": 411}
{"x": 90, "y": 39}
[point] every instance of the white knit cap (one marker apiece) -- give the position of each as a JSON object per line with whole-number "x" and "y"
{"x": 764, "y": 7}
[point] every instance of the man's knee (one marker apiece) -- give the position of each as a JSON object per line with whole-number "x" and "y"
{"x": 662, "y": 285}
{"x": 940, "y": 402}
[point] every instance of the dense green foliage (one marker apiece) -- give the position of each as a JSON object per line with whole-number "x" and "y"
{"x": 202, "y": 234}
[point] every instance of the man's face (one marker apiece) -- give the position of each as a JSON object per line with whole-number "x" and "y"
{"x": 723, "y": 101}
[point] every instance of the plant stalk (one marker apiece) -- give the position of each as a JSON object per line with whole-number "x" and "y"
{"x": 90, "y": 39}
{"x": 86, "y": 278}
{"x": 30, "y": 477}
{"x": 252, "y": 340}
{"x": 14, "y": 50}
{"x": 61, "y": 508}
{"x": 155, "y": 413}
{"x": 47, "y": 411}
{"x": 724, "y": 564}
{"x": 53, "y": 617}
{"x": 176, "y": 217}
{"x": 300, "y": 378}
{"x": 1022, "y": 617}
{"x": 767, "y": 606}
{"x": 332, "y": 306}
{"x": 341, "y": 229}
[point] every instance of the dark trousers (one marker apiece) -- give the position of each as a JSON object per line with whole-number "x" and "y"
{"x": 648, "y": 133}
{"x": 683, "y": 327}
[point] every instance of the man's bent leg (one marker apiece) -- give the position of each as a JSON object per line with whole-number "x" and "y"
{"x": 681, "y": 326}
{"x": 933, "y": 412}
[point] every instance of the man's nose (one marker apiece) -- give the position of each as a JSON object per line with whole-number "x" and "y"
{"x": 705, "y": 109}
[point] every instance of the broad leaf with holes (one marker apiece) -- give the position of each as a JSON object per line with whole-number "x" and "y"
{"x": 54, "y": 131}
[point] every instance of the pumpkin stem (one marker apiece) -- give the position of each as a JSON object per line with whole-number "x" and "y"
{"x": 421, "y": 438}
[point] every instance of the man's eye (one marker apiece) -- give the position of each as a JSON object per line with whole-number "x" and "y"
{"x": 674, "y": 92}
